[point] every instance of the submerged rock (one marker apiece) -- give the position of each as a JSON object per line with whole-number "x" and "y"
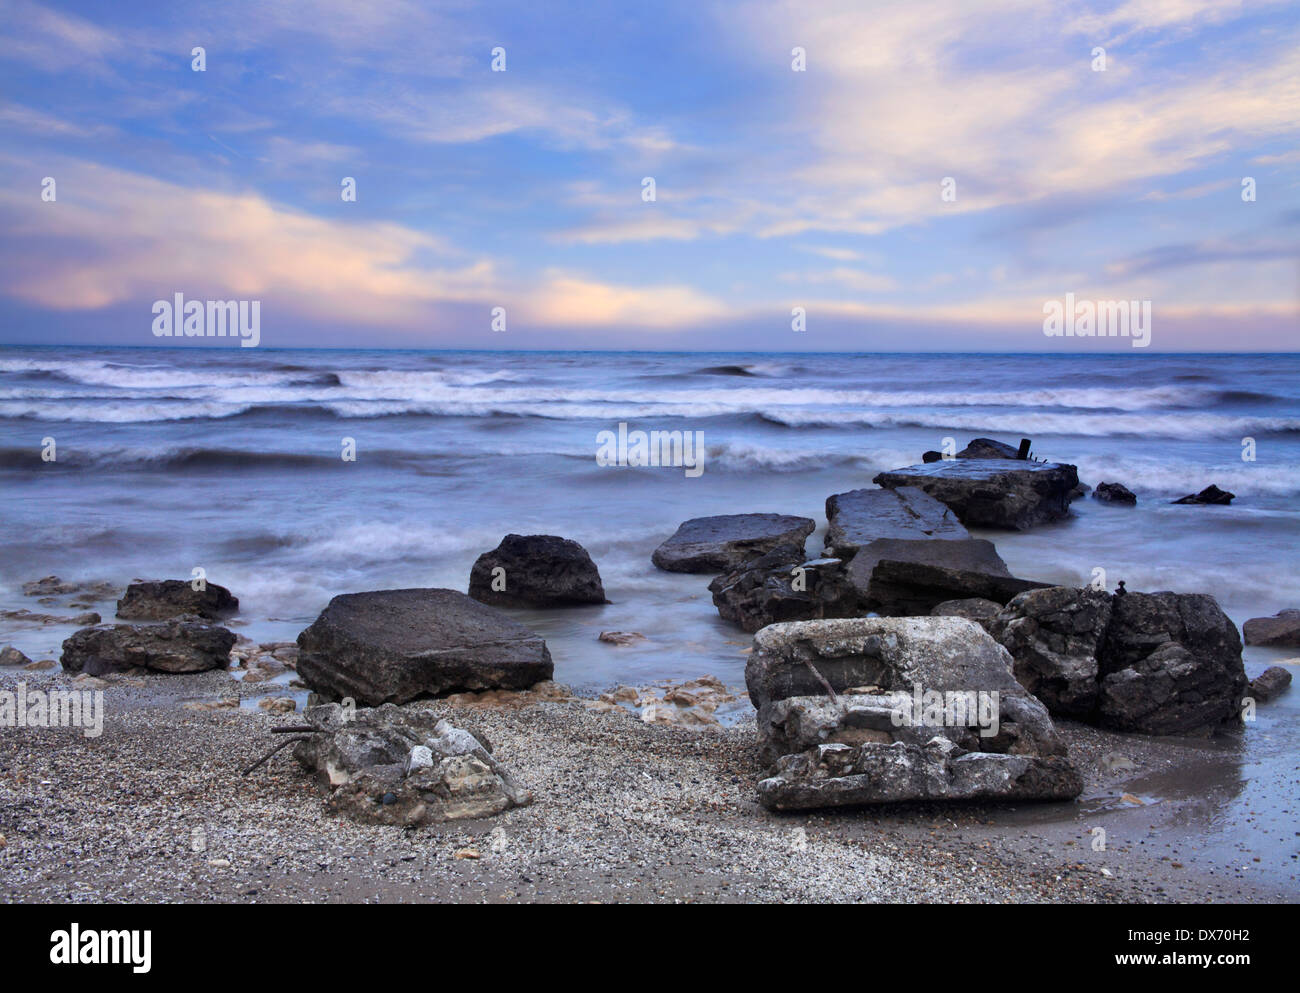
{"x": 536, "y": 570}
{"x": 178, "y": 646}
{"x": 404, "y": 766}
{"x": 174, "y": 597}
{"x": 391, "y": 646}
{"x": 1211, "y": 495}
{"x": 924, "y": 709}
{"x": 1114, "y": 493}
{"x": 1272, "y": 682}
{"x": 994, "y": 493}
{"x": 726, "y": 542}
{"x": 1282, "y": 630}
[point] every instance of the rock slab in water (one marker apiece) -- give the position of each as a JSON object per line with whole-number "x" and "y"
{"x": 178, "y": 646}
{"x": 391, "y": 646}
{"x": 538, "y": 570}
{"x": 174, "y": 597}
{"x": 1115, "y": 493}
{"x": 855, "y": 749}
{"x": 724, "y": 543}
{"x": 994, "y": 493}
{"x": 1151, "y": 663}
{"x": 1282, "y": 630}
{"x": 1211, "y": 495}
{"x": 775, "y": 589}
{"x": 1272, "y": 682}
{"x": 860, "y": 517}
{"x": 404, "y": 766}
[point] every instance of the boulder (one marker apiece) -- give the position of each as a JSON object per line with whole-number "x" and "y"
{"x": 538, "y": 570}
{"x": 1114, "y": 493}
{"x": 177, "y": 646}
{"x": 924, "y": 709}
{"x": 1270, "y": 683}
{"x": 860, "y": 517}
{"x": 12, "y": 656}
{"x": 174, "y": 597}
{"x": 774, "y": 588}
{"x": 391, "y": 646}
{"x": 993, "y": 493}
{"x": 1282, "y": 630}
{"x": 976, "y": 609}
{"x": 403, "y": 766}
{"x": 1151, "y": 663}
{"x": 724, "y": 543}
{"x": 897, "y": 587}
{"x": 987, "y": 448}
{"x": 1210, "y": 495}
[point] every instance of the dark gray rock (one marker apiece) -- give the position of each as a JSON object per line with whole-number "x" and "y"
{"x": 177, "y": 646}
{"x": 1211, "y": 495}
{"x": 539, "y": 570}
{"x": 404, "y": 766}
{"x": 774, "y": 589}
{"x": 994, "y": 493}
{"x": 897, "y": 587}
{"x": 174, "y": 597}
{"x": 986, "y": 738}
{"x": 724, "y": 543}
{"x": 391, "y": 646}
{"x": 987, "y": 448}
{"x": 981, "y": 611}
{"x": 12, "y": 656}
{"x": 860, "y": 517}
{"x": 1272, "y": 682}
{"x": 1282, "y": 630}
{"x": 1114, "y": 493}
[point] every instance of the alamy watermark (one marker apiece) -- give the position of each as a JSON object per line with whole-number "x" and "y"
{"x": 23, "y": 708}
{"x": 181, "y": 318}
{"x": 1098, "y": 319}
{"x": 949, "y": 709}
{"x": 680, "y": 449}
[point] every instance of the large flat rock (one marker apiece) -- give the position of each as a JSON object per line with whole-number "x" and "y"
{"x": 860, "y": 517}
{"x": 871, "y": 743}
{"x": 1282, "y": 630}
{"x": 726, "y": 542}
{"x": 392, "y": 646}
{"x": 917, "y": 584}
{"x": 178, "y": 646}
{"x": 993, "y": 493}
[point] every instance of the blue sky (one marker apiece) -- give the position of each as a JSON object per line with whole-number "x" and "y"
{"x": 775, "y": 189}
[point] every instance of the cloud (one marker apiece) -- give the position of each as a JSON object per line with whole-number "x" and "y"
{"x": 571, "y": 301}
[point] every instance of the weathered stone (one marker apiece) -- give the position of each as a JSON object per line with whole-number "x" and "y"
{"x": 995, "y": 493}
{"x": 1282, "y": 630}
{"x": 174, "y": 597}
{"x": 538, "y": 570}
{"x": 896, "y": 587}
{"x": 860, "y": 517}
{"x": 1114, "y": 493}
{"x": 1272, "y": 682}
{"x": 12, "y": 656}
{"x": 981, "y": 611}
{"x": 724, "y": 543}
{"x": 177, "y": 646}
{"x": 877, "y": 742}
{"x": 404, "y": 766}
{"x": 774, "y": 588}
{"x": 1210, "y": 495}
{"x": 391, "y": 646}
{"x": 987, "y": 448}
{"x": 621, "y": 637}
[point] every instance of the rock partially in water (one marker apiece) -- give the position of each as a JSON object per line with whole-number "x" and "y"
{"x": 177, "y": 646}
{"x": 404, "y": 766}
{"x": 774, "y": 589}
{"x": 12, "y": 656}
{"x": 935, "y": 572}
{"x": 1114, "y": 493}
{"x": 993, "y": 493}
{"x": 860, "y": 517}
{"x": 987, "y": 448}
{"x": 725, "y": 543}
{"x": 1211, "y": 495}
{"x": 392, "y": 646}
{"x": 536, "y": 570}
{"x": 174, "y": 597}
{"x": 1270, "y": 683}
{"x": 1282, "y": 630}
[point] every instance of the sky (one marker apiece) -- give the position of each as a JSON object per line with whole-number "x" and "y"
{"x": 775, "y": 187}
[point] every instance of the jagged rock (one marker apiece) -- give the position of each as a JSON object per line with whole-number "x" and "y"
{"x": 995, "y": 493}
{"x": 404, "y": 766}
{"x": 174, "y": 597}
{"x": 987, "y": 448}
{"x": 976, "y": 609}
{"x": 774, "y": 588}
{"x": 178, "y": 646}
{"x": 1272, "y": 682}
{"x": 860, "y": 517}
{"x": 391, "y": 646}
{"x": 1163, "y": 663}
{"x": 12, "y": 656}
{"x": 911, "y": 588}
{"x": 926, "y": 709}
{"x": 1210, "y": 495}
{"x": 1282, "y": 630}
{"x": 538, "y": 570}
{"x": 724, "y": 543}
{"x": 1114, "y": 493}
{"x": 49, "y": 586}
